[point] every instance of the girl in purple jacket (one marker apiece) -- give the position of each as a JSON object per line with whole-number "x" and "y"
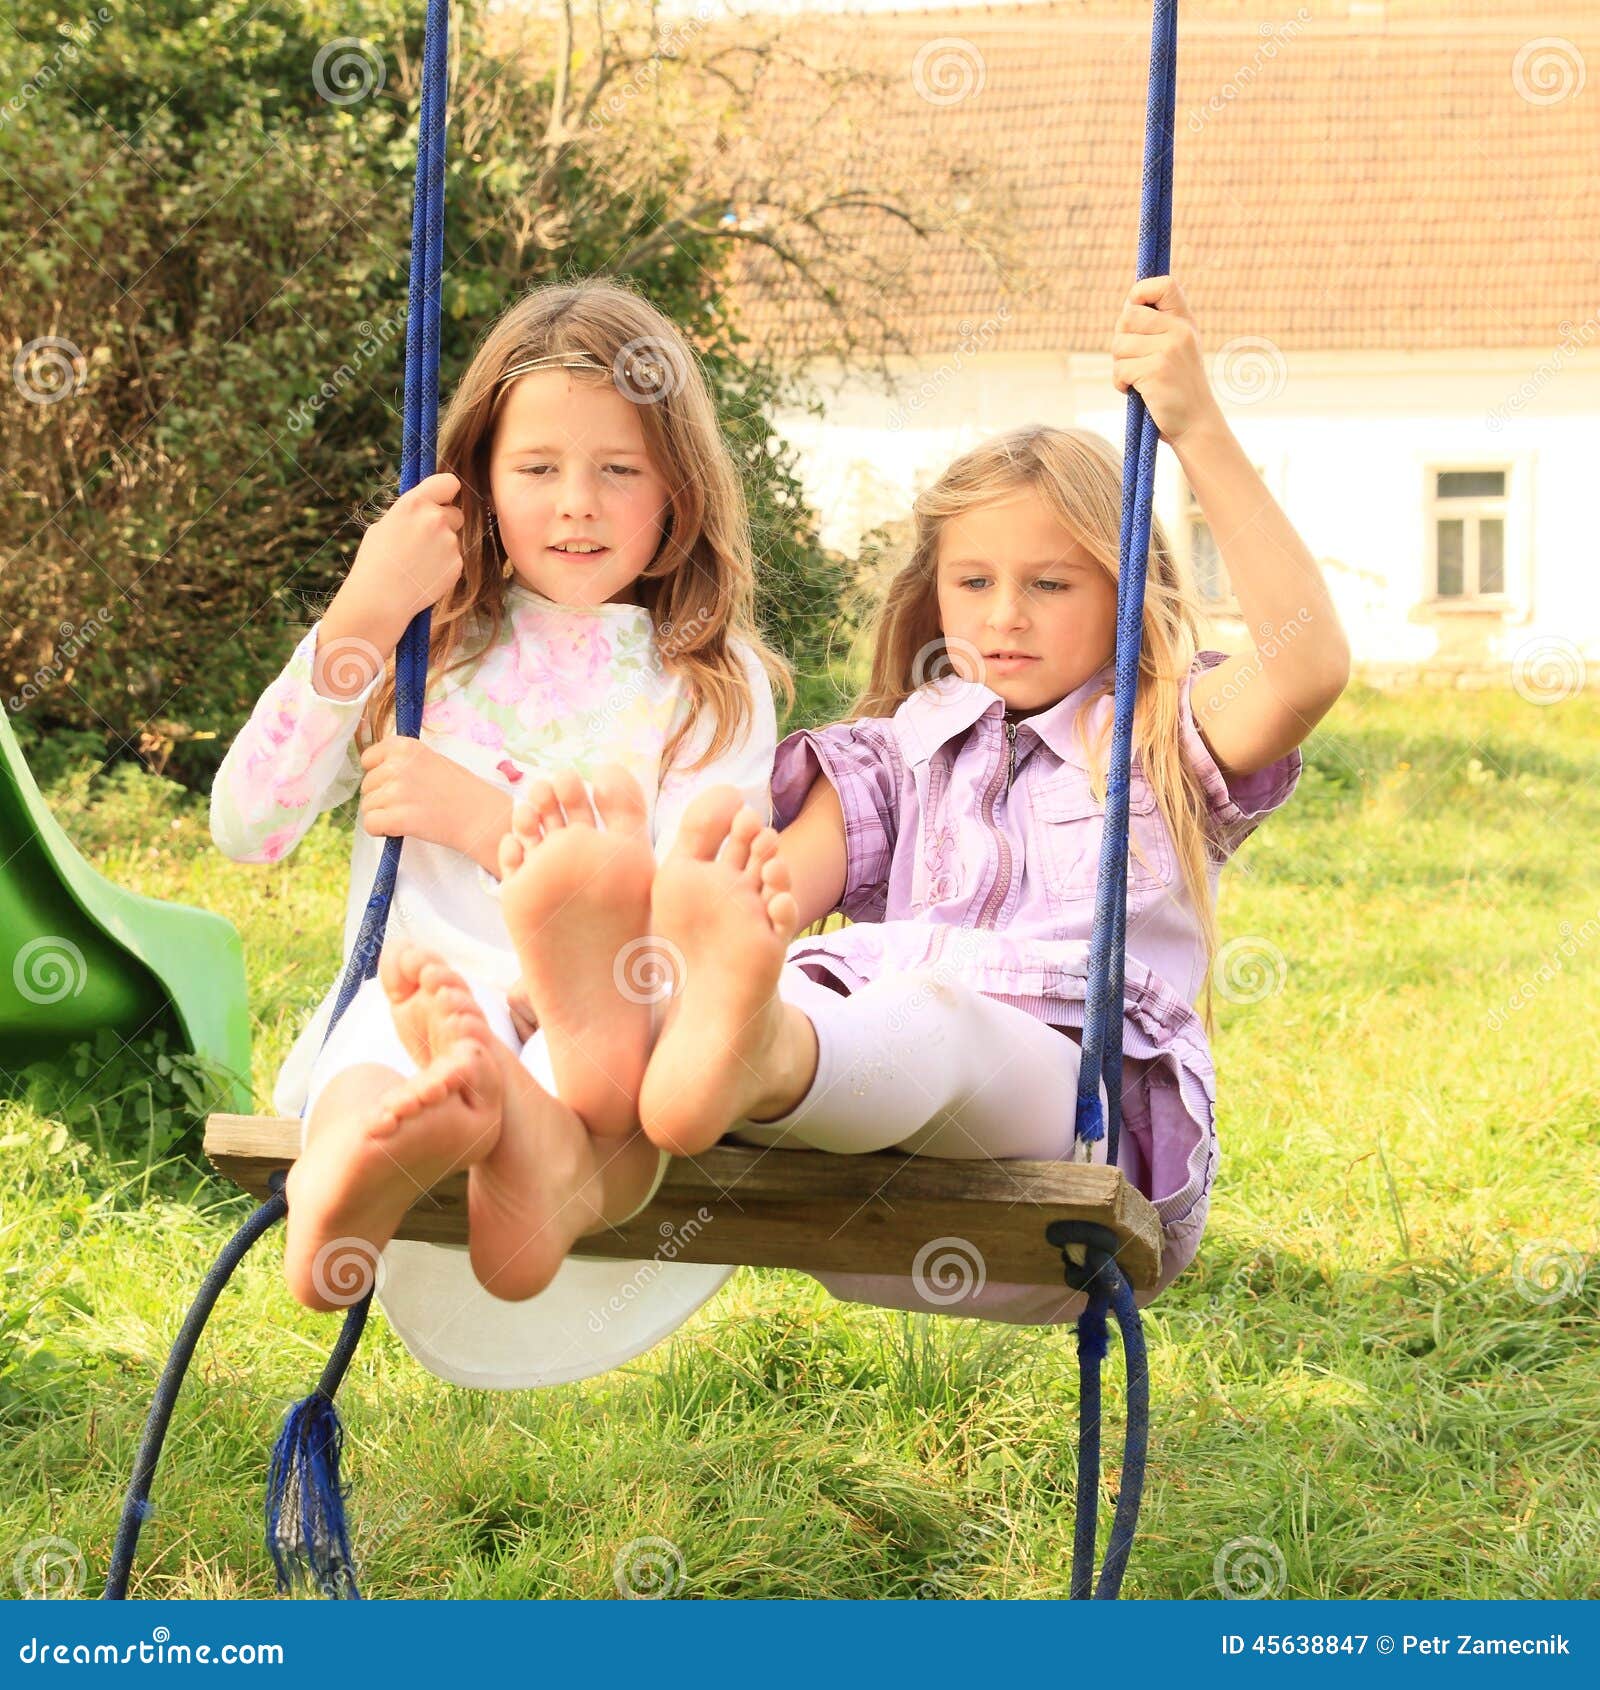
{"x": 956, "y": 818}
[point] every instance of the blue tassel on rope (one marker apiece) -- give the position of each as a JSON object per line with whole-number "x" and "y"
{"x": 306, "y": 1533}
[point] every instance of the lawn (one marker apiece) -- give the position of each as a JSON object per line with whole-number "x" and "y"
{"x": 1379, "y": 1379}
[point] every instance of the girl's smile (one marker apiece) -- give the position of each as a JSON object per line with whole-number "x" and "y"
{"x": 580, "y": 507}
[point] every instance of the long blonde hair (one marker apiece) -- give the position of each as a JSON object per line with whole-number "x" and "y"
{"x": 1078, "y": 474}
{"x": 700, "y": 586}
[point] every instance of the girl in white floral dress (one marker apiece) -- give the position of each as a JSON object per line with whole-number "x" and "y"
{"x": 585, "y": 552}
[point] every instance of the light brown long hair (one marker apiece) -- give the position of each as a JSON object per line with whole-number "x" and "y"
{"x": 1078, "y": 474}
{"x": 700, "y": 586}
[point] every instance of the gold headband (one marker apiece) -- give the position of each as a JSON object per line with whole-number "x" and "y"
{"x": 565, "y": 360}
{"x": 643, "y": 370}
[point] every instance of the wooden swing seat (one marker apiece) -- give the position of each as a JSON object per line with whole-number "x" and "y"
{"x": 806, "y": 1209}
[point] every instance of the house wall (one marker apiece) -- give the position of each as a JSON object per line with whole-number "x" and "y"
{"x": 1347, "y": 444}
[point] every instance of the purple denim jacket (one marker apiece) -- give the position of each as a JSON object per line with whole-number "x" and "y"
{"x": 978, "y": 842}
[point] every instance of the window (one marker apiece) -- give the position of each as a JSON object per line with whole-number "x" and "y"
{"x": 1468, "y": 520}
{"x": 1205, "y": 559}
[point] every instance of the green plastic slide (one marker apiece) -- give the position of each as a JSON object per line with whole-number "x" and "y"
{"x": 77, "y": 953}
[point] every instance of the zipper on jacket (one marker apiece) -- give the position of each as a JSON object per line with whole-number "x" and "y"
{"x": 1011, "y": 752}
{"x": 991, "y": 904}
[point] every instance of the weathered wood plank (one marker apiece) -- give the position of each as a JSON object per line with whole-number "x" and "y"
{"x": 874, "y": 1213}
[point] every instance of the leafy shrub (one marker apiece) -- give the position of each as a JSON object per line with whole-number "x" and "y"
{"x": 139, "y": 1101}
{"x": 216, "y": 325}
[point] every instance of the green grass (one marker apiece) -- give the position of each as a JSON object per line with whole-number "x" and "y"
{"x": 1383, "y": 1363}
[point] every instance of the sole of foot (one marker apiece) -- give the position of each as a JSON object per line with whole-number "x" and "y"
{"x": 721, "y": 903}
{"x": 576, "y": 898}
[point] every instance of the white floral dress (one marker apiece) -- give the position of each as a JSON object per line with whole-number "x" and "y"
{"x": 562, "y": 687}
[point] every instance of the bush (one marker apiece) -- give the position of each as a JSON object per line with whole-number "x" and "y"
{"x": 210, "y": 342}
{"x": 138, "y": 1101}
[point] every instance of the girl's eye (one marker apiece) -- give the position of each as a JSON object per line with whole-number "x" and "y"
{"x": 539, "y": 469}
{"x": 983, "y": 581}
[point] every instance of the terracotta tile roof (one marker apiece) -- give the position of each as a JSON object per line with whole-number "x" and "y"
{"x": 1348, "y": 175}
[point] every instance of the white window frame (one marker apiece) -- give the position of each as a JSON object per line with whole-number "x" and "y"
{"x": 1471, "y": 510}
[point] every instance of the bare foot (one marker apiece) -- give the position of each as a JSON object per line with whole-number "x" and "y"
{"x": 730, "y": 1049}
{"x": 367, "y": 1160}
{"x": 423, "y": 991}
{"x": 535, "y": 1192}
{"x": 545, "y": 1183}
{"x": 577, "y": 904}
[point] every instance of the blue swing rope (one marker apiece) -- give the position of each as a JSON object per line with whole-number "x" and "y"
{"x": 305, "y": 1526}
{"x": 1107, "y": 1286}
{"x": 306, "y": 1533}
{"x": 305, "y": 1517}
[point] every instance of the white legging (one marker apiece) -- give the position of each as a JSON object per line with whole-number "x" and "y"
{"x": 920, "y": 1063}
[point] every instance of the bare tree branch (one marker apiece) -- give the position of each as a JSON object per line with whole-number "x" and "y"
{"x": 764, "y": 141}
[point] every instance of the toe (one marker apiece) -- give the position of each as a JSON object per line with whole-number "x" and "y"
{"x": 454, "y": 1013}
{"x": 784, "y": 914}
{"x": 735, "y": 852}
{"x": 764, "y": 847}
{"x": 706, "y": 821}
{"x": 510, "y": 854}
{"x": 478, "y": 1072}
{"x": 619, "y": 799}
{"x": 399, "y": 969}
{"x": 428, "y": 1089}
{"x": 551, "y": 818}
{"x": 395, "y": 983}
{"x": 463, "y": 1028}
{"x": 463, "y": 1014}
{"x": 527, "y": 816}
{"x": 574, "y": 796}
{"x": 545, "y": 807}
{"x": 396, "y": 1103}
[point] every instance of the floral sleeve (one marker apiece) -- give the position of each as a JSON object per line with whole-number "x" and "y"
{"x": 294, "y": 759}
